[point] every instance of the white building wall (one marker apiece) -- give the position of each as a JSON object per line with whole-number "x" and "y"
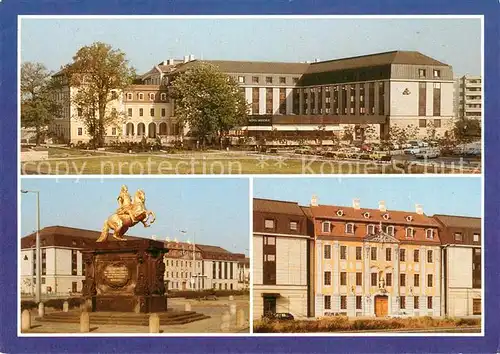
{"x": 262, "y": 100}
{"x": 291, "y": 261}
{"x": 63, "y": 261}
{"x": 404, "y": 105}
{"x": 257, "y": 260}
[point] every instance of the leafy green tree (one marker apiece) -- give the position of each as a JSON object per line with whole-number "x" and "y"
{"x": 399, "y": 136}
{"x": 467, "y": 130}
{"x": 38, "y": 103}
{"x": 209, "y": 101}
{"x": 99, "y": 73}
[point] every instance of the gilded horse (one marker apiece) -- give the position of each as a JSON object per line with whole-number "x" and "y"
{"x": 121, "y": 222}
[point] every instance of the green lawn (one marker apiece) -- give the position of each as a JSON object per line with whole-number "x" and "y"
{"x": 212, "y": 164}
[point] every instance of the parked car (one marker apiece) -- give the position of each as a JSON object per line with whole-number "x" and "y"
{"x": 279, "y": 316}
{"x": 380, "y": 156}
{"x": 427, "y": 154}
{"x": 412, "y": 150}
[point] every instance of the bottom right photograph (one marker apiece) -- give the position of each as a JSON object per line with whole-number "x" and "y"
{"x": 367, "y": 254}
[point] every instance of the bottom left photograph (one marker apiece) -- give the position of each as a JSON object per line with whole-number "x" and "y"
{"x": 134, "y": 255}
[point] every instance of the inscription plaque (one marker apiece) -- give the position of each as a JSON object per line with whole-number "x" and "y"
{"x": 116, "y": 275}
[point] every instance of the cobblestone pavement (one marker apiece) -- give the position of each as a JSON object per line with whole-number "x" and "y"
{"x": 214, "y": 309}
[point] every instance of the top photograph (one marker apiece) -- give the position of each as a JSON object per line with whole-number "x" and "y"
{"x": 240, "y": 95}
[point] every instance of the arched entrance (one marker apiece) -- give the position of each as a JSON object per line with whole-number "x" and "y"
{"x": 381, "y": 305}
{"x": 141, "y": 129}
{"x": 163, "y": 128}
{"x": 130, "y": 129}
{"x": 152, "y": 130}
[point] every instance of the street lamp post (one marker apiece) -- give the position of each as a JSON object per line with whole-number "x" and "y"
{"x": 38, "y": 267}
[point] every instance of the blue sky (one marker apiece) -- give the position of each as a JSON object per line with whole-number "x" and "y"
{"x": 149, "y": 41}
{"x": 455, "y": 196}
{"x": 216, "y": 210}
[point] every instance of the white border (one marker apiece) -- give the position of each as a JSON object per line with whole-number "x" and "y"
{"x": 249, "y": 177}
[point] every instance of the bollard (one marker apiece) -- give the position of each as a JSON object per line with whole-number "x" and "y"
{"x": 232, "y": 309}
{"x": 41, "y": 309}
{"x": 65, "y": 306}
{"x": 240, "y": 318}
{"x": 225, "y": 322}
{"x": 187, "y": 306}
{"x": 25, "y": 320}
{"x": 84, "y": 322}
{"x": 231, "y": 297}
{"x": 154, "y": 323}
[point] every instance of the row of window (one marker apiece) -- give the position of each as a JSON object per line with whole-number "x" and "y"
{"x": 350, "y": 227}
{"x": 151, "y": 112}
{"x": 422, "y": 73}
{"x": 151, "y": 96}
{"x": 327, "y": 254}
{"x": 114, "y": 131}
{"x": 374, "y": 279}
{"x": 182, "y": 263}
{"x": 268, "y": 80}
{"x": 270, "y": 224}
{"x": 359, "y": 302}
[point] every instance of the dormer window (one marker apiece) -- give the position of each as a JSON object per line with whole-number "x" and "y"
{"x": 370, "y": 229}
{"x": 409, "y": 232}
{"x": 386, "y": 216}
{"x": 163, "y": 96}
{"x": 129, "y": 96}
{"x": 293, "y": 225}
{"x": 429, "y": 234}
{"x": 269, "y": 224}
{"x": 326, "y": 226}
{"x": 349, "y": 228}
{"x": 366, "y": 215}
{"x": 340, "y": 212}
{"x": 409, "y": 218}
{"x": 151, "y": 96}
{"x": 140, "y": 96}
{"x": 390, "y": 230}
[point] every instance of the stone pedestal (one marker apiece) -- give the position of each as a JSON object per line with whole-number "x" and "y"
{"x": 125, "y": 276}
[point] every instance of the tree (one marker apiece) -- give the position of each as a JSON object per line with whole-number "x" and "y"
{"x": 399, "y": 136}
{"x": 431, "y": 132}
{"x": 467, "y": 130}
{"x": 320, "y": 134}
{"x": 38, "y": 103}
{"x": 348, "y": 134}
{"x": 209, "y": 101}
{"x": 99, "y": 73}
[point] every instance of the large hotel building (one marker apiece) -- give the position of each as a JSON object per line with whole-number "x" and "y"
{"x": 326, "y": 260}
{"x": 291, "y": 99}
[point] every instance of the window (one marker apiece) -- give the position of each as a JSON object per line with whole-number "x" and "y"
{"x": 421, "y": 73}
{"x": 409, "y": 232}
{"x": 163, "y": 112}
{"x": 151, "y": 96}
{"x": 163, "y": 96}
{"x": 388, "y": 279}
{"x": 416, "y": 256}
{"x": 359, "y": 278}
{"x": 293, "y": 225}
{"x": 282, "y": 80}
{"x": 255, "y": 79}
{"x": 476, "y": 306}
{"x": 343, "y": 252}
{"x": 141, "y": 112}
{"x": 343, "y": 302}
{"x": 429, "y": 256}
{"x": 390, "y": 230}
{"x": 129, "y": 96}
{"x": 415, "y": 303}
{"x": 129, "y": 112}
{"x": 269, "y": 258}
{"x": 269, "y": 100}
{"x": 429, "y": 234}
{"x": 270, "y": 240}
{"x": 327, "y": 251}
{"x": 358, "y": 302}
{"x": 241, "y": 79}
{"x": 343, "y": 278}
{"x": 80, "y": 131}
{"x": 374, "y": 279}
{"x": 370, "y": 229}
{"x": 328, "y": 278}
{"x": 326, "y": 226}
{"x": 140, "y": 96}
{"x": 416, "y": 280}
{"x": 437, "y": 123}
{"x": 113, "y": 131}
{"x": 328, "y": 302}
{"x": 349, "y": 228}
{"x": 74, "y": 262}
{"x": 373, "y": 253}
{"x": 402, "y": 279}
{"x": 269, "y": 80}
{"x": 80, "y": 111}
{"x": 422, "y": 99}
{"x": 152, "y": 112}
{"x": 295, "y": 80}
{"x": 359, "y": 253}
{"x": 402, "y": 302}
{"x": 475, "y": 238}
{"x": 458, "y": 236}
{"x": 269, "y": 224}
{"x": 422, "y": 123}
{"x": 388, "y": 254}
{"x": 402, "y": 255}
{"x": 436, "y": 73}
{"x": 429, "y": 281}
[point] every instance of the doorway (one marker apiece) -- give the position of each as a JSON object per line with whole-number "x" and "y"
{"x": 381, "y": 306}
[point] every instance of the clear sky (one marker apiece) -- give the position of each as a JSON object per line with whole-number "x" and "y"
{"x": 454, "y": 196}
{"x": 216, "y": 210}
{"x": 147, "y": 42}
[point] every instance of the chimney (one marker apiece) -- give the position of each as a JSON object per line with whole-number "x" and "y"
{"x": 355, "y": 204}
{"x": 419, "y": 209}
{"x": 381, "y": 206}
{"x": 314, "y": 200}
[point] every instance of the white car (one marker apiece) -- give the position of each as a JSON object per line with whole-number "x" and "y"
{"x": 428, "y": 154}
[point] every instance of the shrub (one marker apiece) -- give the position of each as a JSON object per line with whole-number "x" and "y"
{"x": 52, "y": 303}
{"x": 190, "y": 294}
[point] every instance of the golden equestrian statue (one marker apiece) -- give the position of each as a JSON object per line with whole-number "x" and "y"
{"x": 127, "y": 215}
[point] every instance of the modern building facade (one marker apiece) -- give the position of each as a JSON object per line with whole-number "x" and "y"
{"x": 461, "y": 264}
{"x": 468, "y": 97}
{"x": 298, "y": 100}
{"x": 281, "y": 257}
